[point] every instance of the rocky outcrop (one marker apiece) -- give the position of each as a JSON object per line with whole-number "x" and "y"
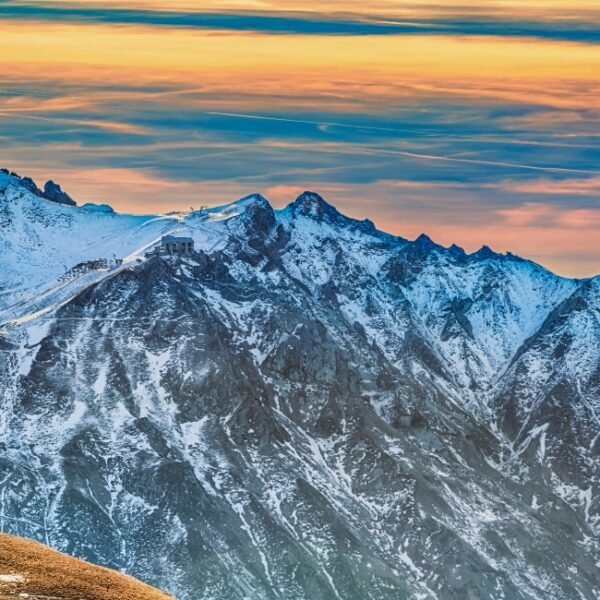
{"x": 308, "y": 408}
{"x": 54, "y": 193}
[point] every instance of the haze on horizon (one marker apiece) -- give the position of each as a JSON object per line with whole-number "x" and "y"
{"x": 474, "y": 125}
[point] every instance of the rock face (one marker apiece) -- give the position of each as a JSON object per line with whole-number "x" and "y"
{"x": 308, "y": 408}
{"x": 53, "y": 192}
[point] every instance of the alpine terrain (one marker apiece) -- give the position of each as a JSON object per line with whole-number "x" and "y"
{"x": 299, "y": 407}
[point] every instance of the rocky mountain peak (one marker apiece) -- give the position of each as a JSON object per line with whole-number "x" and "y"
{"x": 456, "y": 251}
{"x": 30, "y": 185}
{"x": 313, "y": 205}
{"x": 425, "y": 243}
{"x": 258, "y": 216}
{"x": 254, "y": 200}
{"x": 54, "y": 193}
{"x": 484, "y": 253}
{"x": 338, "y": 412}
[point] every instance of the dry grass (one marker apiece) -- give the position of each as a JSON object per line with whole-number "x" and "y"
{"x": 29, "y": 570}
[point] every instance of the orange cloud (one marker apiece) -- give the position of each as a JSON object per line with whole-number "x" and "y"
{"x": 94, "y": 67}
{"x": 478, "y": 67}
{"x": 567, "y": 187}
{"x": 538, "y": 214}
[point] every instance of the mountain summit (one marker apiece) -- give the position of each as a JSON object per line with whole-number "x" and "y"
{"x": 311, "y": 204}
{"x": 301, "y": 406}
{"x": 52, "y": 191}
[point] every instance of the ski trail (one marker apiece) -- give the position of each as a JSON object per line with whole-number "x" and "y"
{"x": 59, "y": 294}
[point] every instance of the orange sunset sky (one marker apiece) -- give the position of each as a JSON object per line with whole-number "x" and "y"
{"x": 474, "y": 125}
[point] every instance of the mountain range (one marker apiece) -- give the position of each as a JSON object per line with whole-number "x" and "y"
{"x": 304, "y": 407}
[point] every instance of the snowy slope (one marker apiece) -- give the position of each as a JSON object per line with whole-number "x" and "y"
{"x": 42, "y": 240}
{"x": 306, "y": 407}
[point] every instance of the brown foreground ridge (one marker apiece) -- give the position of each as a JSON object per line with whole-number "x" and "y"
{"x": 32, "y": 571}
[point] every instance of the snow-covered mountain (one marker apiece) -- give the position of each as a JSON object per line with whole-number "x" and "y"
{"x": 304, "y": 407}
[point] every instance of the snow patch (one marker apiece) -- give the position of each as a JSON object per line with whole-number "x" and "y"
{"x": 11, "y": 578}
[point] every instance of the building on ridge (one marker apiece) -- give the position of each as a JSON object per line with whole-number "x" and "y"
{"x": 173, "y": 245}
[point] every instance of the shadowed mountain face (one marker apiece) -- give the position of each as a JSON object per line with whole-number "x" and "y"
{"x": 303, "y": 408}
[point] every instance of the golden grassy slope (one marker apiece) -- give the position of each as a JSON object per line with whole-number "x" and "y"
{"x": 33, "y": 571}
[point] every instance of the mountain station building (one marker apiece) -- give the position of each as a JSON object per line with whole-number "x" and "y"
{"x": 173, "y": 245}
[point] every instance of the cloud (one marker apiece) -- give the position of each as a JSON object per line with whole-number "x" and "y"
{"x": 111, "y": 126}
{"x": 556, "y": 187}
{"x": 471, "y": 139}
{"x": 470, "y": 23}
{"x": 546, "y": 215}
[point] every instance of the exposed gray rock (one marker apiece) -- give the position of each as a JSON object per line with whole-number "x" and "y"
{"x": 313, "y": 409}
{"x": 53, "y": 192}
